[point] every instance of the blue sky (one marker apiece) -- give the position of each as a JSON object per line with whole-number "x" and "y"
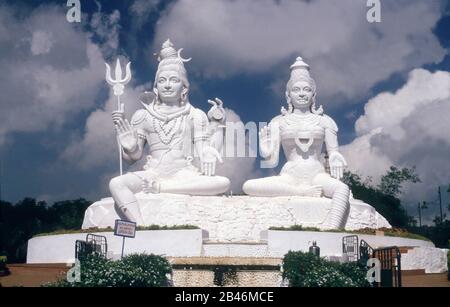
{"x": 386, "y": 84}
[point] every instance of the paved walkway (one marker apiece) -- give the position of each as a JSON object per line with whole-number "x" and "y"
{"x": 29, "y": 275}
{"x": 428, "y": 280}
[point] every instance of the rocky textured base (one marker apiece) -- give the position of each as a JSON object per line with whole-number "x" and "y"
{"x": 237, "y": 218}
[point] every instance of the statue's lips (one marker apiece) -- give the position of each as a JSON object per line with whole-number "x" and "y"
{"x": 302, "y": 101}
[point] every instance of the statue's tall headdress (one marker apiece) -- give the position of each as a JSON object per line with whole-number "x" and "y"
{"x": 170, "y": 59}
{"x": 300, "y": 71}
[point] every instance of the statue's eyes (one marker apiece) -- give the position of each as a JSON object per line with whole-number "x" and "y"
{"x": 161, "y": 80}
{"x": 296, "y": 89}
{"x": 308, "y": 89}
{"x": 175, "y": 80}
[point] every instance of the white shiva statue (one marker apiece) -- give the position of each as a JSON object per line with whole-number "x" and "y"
{"x": 301, "y": 131}
{"x": 176, "y": 133}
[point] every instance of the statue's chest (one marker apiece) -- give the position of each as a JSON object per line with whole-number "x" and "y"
{"x": 302, "y": 134}
{"x": 165, "y": 132}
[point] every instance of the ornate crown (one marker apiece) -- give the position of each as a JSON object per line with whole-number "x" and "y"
{"x": 169, "y": 52}
{"x": 300, "y": 69}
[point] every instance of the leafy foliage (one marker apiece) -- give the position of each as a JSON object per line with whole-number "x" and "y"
{"x": 306, "y": 270}
{"x": 138, "y": 270}
{"x": 2, "y": 263}
{"x": 439, "y": 233}
{"x": 28, "y": 217}
{"x": 391, "y": 183}
{"x": 388, "y": 206}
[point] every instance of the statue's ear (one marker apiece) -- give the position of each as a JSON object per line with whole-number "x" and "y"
{"x": 184, "y": 93}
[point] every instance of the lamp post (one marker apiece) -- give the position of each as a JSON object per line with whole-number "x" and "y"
{"x": 448, "y": 192}
{"x": 440, "y": 204}
{"x": 420, "y": 207}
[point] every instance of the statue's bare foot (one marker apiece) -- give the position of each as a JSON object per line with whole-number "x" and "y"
{"x": 150, "y": 186}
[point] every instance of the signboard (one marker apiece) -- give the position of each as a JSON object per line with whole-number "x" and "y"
{"x": 125, "y": 229}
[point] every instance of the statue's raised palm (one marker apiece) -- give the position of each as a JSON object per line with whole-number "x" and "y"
{"x": 265, "y": 143}
{"x": 126, "y": 134}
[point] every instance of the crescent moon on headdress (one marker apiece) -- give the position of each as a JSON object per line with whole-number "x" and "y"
{"x": 179, "y": 56}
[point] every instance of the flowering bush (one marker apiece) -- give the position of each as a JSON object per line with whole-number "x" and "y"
{"x": 139, "y": 270}
{"x": 307, "y": 270}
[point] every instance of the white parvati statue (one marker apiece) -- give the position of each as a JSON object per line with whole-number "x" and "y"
{"x": 301, "y": 131}
{"x": 176, "y": 133}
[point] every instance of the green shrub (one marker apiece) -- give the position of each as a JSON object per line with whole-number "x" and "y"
{"x": 139, "y": 270}
{"x": 307, "y": 270}
{"x": 3, "y": 261}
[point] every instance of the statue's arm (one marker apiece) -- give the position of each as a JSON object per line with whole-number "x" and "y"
{"x": 336, "y": 159}
{"x": 216, "y": 124}
{"x": 331, "y": 131}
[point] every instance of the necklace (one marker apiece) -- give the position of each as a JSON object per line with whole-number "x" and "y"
{"x": 166, "y": 130}
{"x": 166, "y": 118}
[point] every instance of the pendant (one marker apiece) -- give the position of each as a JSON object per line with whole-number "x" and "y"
{"x": 304, "y": 144}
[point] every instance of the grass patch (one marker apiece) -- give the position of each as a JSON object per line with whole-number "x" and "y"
{"x": 109, "y": 229}
{"x": 394, "y": 232}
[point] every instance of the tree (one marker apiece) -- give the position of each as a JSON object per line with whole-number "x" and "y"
{"x": 20, "y": 222}
{"x": 386, "y": 204}
{"x": 391, "y": 183}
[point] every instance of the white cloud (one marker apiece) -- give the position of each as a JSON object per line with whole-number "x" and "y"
{"x": 348, "y": 55}
{"x": 238, "y": 169}
{"x": 106, "y": 30}
{"x": 407, "y": 128}
{"x": 41, "y": 42}
{"x": 51, "y": 71}
{"x": 141, "y": 9}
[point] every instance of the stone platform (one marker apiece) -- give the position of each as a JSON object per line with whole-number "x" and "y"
{"x": 195, "y": 243}
{"x": 237, "y": 218}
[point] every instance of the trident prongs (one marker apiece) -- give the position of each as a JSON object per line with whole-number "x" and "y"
{"x": 118, "y": 83}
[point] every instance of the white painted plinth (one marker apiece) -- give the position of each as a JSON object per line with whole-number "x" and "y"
{"x": 432, "y": 260}
{"x": 272, "y": 244}
{"x": 237, "y": 218}
{"x": 423, "y": 256}
{"x": 330, "y": 243}
{"x": 61, "y": 248}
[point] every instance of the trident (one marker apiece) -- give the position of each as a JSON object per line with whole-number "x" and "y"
{"x": 118, "y": 85}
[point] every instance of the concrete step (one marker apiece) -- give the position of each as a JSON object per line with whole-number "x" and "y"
{"x": 226, "y": 271}
{"x": 235, "y": 249}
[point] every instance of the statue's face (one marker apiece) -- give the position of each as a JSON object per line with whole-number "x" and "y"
{"x": 301, "y": 94}
{"x": 169, "y": 86}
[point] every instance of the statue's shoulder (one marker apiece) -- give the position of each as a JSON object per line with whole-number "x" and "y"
{"x": 328, "y": 123}
{"x": 198, "y": 115}
{"x": 139, "y": 116}
{"x": 276, "y": 119}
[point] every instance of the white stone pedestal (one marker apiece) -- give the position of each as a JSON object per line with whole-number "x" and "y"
{"x": 237, "y": 218}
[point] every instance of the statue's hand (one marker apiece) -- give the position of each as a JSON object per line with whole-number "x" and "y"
{"x": 217, "y": 112}
{"x": 337, "y": 165}
{"x": 126, "y": 134}
{"x": 265, "y": 142}
{"x": 208, "y": 160}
